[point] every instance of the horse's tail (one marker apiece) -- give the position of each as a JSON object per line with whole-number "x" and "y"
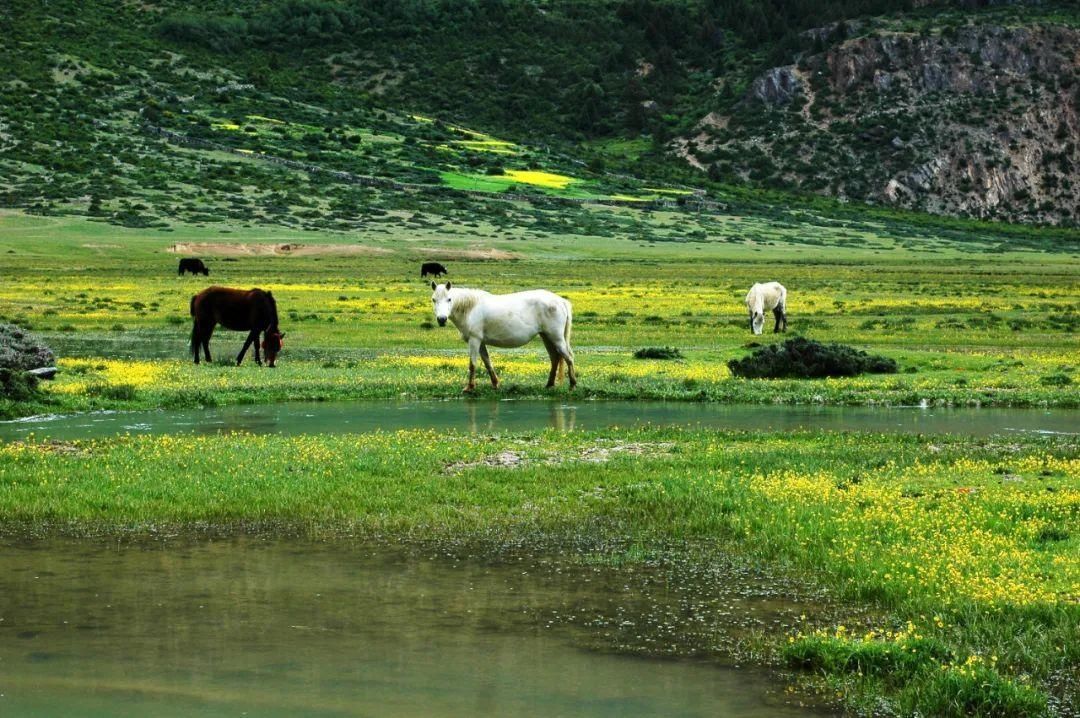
{"x": 194, "y": 346}
{"x": 567, "y": 329}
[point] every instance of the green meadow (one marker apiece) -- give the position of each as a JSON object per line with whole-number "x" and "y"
{"x": 954, "y": 561}
{"x": 967, "y": 327}
{"x": 324, "y": 150}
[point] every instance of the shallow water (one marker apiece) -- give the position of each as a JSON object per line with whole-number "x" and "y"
{"x": 248, "y": 627}
{"x": 525, "y": 415}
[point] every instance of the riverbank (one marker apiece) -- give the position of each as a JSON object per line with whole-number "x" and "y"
{"x": 982, "y": 380}
{"x": 562, "y": 413}
{"x": 970, "y": 540}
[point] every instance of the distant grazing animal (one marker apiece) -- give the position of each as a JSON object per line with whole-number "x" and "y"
{"x": 195, "y": 266}
{"x": 765, "y": 297}
{"x": 507, "y": 320}
{"x": 250, "y": 310}
{"x": 433, "y": 268}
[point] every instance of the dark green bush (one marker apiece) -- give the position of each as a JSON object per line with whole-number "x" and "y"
{"x": 1059, "y": 379}
{"x": 17, "y": 385}
{"x": 658, "y": 353}
{"x": 806, "y": 358}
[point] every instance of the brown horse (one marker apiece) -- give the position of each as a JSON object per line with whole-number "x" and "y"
{"x": 250, "y": 310}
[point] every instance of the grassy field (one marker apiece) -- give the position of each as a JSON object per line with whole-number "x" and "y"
{"x": 967, "y": 328}
{"x": 965, "y": 550}
{"x": 326, "y": 164}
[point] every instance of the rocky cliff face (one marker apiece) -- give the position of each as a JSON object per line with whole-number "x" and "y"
{"x": 977, "y": 121}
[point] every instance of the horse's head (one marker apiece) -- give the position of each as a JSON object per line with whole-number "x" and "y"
{"x": 272, "y": 343}
{"x": 441, "y": 302}
{"x": 757, "y": 321}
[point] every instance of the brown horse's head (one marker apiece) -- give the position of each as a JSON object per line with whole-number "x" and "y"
{"x": 272, "y": 341}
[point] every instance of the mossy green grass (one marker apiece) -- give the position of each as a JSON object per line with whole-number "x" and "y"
{"x": 967, "y": 549}
{"x": 970, "y": 540}
{"x": 973, "y": 330}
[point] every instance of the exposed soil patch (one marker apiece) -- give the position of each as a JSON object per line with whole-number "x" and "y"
{"x": 484, "y": 254}
{"x": 603, "y": 453}
{"x": 599, "y": 453}
{"x": 54, "y": 446}
{"x": 289, "y": 249}
{"x": 504, "y": 459}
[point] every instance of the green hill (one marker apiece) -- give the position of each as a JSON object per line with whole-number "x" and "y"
{"x": 341, "y": 115}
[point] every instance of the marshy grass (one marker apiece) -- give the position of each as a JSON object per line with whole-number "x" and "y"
{"x": 964, "y": 548}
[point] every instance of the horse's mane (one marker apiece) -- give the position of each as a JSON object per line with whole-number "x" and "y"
{"x": 465, "y": 299}
{"x": 273, "y": 311}
{"x": 755, "y": 298}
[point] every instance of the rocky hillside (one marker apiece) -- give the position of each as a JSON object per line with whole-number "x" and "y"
{"x": 975, "y": 120}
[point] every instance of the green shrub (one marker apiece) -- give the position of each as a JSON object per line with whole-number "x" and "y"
{"x": 658, "y": 353}
{"x": 1059, "y": 379}
{"x": 806, "y": 358}
{"x": 17, "y": 385}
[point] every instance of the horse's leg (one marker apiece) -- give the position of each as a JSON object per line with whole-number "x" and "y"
{"x": 196, "y": 340}
{"x": 207, "y": 332}
{"x": 778, "y": 314}
{"x": 474, "y": 354}
{"x": 555, "y": 359}
{"x": 563, "y": 347}
{"x": 257, "y": 343}
{"x": 487, "y": 365}
{"x": 252, "y": 336}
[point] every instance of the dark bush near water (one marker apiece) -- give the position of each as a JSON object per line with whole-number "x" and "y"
{"x": 21, "y": 350}
{"x": 806, "y": 358}
{"x": 17, "y": 385}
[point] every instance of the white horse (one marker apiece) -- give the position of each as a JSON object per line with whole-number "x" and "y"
{"x": 765, "y": 297}
{"x": 507, "y": 320}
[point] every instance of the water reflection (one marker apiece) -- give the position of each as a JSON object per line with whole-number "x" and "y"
{"x": 490, "y": 416}
{"x": 287, "y": 628}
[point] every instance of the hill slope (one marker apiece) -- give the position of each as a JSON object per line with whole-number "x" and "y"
{"x": 976, "y": 120}
{"x": 341, "y": 115}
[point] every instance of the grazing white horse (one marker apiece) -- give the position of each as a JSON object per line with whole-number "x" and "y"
{"x": 507, "y": 320}
{"x": 765, "y": 297}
